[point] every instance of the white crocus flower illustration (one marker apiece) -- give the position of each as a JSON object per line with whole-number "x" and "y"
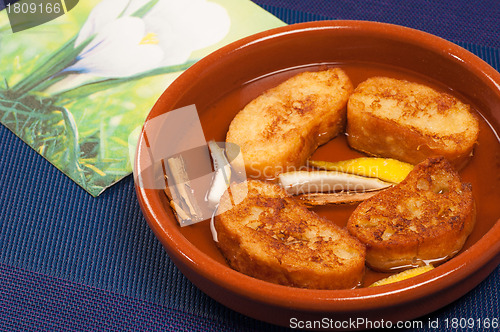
{"x": 166, "y": 35}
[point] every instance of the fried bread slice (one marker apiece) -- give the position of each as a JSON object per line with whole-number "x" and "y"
{"x": 410, "y": 122}
{"x": 282, "y": 127}
{"x": 424, "y": 219}
{"x": 271, "y": 236}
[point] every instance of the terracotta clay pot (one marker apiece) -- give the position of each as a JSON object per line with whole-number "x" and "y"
{"x": 192, "y": 249}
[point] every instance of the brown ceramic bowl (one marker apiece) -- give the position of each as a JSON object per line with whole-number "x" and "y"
{"x": 365, "y": 48}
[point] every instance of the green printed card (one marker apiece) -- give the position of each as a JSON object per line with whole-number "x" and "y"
{"x": 78, "y": 78}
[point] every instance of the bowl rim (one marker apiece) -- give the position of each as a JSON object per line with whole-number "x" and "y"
{"x": 442, "y": 277}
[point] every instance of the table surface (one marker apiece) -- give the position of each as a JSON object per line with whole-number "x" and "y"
{"x": 69, "y": 261}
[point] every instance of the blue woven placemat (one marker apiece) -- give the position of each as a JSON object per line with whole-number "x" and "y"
{"x": 69, "y": 261}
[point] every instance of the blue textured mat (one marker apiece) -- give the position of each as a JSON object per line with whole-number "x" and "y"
{"x": 457, "y": 21}
{"x": 72, "y": 262}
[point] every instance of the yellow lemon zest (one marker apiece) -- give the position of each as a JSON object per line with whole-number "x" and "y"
{"x": 150, "y": 38}
{"x": 403, "y": 275}
{"x": 386, "y": 169}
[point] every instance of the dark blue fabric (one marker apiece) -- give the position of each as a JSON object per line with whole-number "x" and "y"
{"x": 44, "y": 302}
{"x": 69, "y": 261}
{"x": 458, "y": 21}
